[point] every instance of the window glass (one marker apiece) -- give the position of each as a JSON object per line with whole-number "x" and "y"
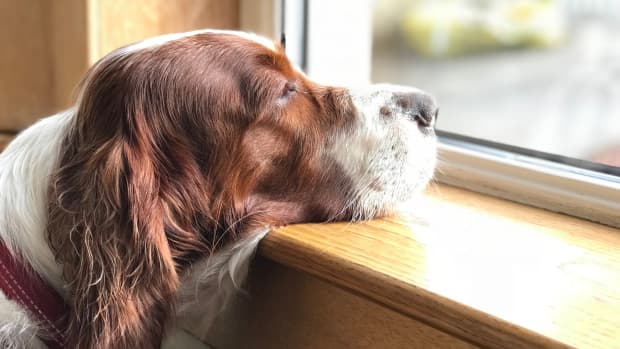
{"x": 538, "y": 74}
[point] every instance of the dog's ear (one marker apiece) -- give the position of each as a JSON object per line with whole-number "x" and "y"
{"x": 106, "y": 231}
{"x": 122, "y": 218}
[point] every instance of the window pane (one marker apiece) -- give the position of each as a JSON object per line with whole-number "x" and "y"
{"x": 539, "y": 74}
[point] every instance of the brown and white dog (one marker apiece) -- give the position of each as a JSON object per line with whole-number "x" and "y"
{"x": 146, "y": 200}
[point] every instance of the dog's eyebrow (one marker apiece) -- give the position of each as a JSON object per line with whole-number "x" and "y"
{"x": 283, "y": 40}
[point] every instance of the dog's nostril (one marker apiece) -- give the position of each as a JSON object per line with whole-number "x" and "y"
{"x": 385, "y": 111}
{"x": 427, "y": 116}
{"x": 420, "y": 106}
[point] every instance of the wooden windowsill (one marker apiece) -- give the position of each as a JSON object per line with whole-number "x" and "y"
{"x": 488, "y": 271}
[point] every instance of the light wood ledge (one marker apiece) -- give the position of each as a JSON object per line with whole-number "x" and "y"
{"x": 487, "y": 271}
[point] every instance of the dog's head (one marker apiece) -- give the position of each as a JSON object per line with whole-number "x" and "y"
{"x": 183, "y": 142}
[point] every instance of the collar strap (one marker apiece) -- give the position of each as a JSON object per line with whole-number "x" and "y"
{"x": 24, "y": 286}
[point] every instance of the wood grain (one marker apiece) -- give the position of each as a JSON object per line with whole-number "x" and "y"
{"x": 120, "y": 22}
{"x": 49, "y": 45}
{"x": 260, "y": 17}
{"x": 4, "y": 140}
{"x": 494, "y": 273}
{"x": 25, "y": 63}
{"x": 284, "y": 308}
{"x": 69, "y": 50}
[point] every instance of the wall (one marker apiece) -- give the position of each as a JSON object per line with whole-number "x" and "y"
{"x": 48, "y": 45}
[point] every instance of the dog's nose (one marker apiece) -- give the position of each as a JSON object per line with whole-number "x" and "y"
{"x": 420, "y": 106}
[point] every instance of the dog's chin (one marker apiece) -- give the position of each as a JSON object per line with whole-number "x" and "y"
{"x": 388, "y": 205}
{"x": 392, "y": 186}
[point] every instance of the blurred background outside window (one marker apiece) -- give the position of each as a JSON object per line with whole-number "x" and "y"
{"x": 537, "y": 74}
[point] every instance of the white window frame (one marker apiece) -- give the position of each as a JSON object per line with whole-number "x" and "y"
{"x": 525, "y": 179}
{"x": 532, "y": 181}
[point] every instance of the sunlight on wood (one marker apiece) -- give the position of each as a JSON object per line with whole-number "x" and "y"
{"x": 496, "y": 273}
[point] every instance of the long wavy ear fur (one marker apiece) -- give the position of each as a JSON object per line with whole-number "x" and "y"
{"x": 115, "y": 254}
{"x": 123, "y": 213}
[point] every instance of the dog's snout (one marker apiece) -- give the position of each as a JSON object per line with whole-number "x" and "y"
{"x": 420, "y": 106}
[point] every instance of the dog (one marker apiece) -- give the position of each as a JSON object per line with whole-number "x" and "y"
{"x": 146, "y": 200}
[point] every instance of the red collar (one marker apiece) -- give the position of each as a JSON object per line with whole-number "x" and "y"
{"x": 22, "y": 285}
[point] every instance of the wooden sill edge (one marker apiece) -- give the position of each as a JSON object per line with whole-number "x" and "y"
{"x": 441, "y": 312}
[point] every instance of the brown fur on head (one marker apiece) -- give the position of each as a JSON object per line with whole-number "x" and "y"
{"x": 176, "y": 150}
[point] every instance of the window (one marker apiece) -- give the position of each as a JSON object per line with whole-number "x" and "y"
{"x": 529, "y": 90}
{"x": 538, "y": 74}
